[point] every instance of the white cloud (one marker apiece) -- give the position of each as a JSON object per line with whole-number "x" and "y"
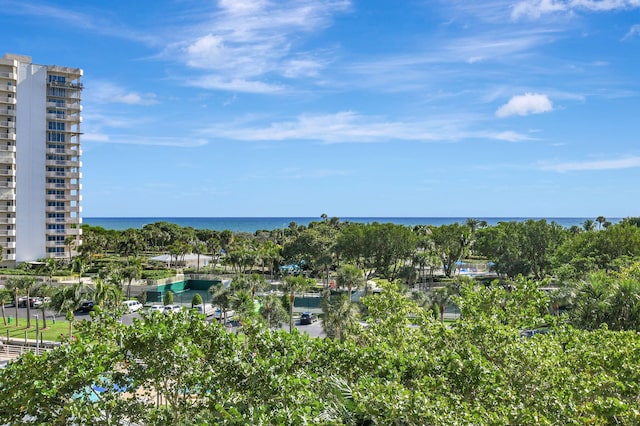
{"x": 148, "y": 140}
{"x": 633, "y": 31}
{"x": 63, "y": 14}
{"x": 622, "y": 163}
{"x": 529, "y": 103}
{"x": 511, "y": 136}
{"x": 235, "y": 85}
{"x": 104, "y": 92}
{"x": 534, "y": 9}
{"x": 351, "y": 127}
{"x": 250, "y": 41}
{"x": 344, "y": 126}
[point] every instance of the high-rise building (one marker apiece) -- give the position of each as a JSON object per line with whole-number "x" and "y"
{"x": 40, "y": 164}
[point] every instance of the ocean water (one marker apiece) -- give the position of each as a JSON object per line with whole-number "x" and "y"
{"x": 252, "y": 224}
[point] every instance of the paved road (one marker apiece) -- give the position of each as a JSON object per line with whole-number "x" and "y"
{"x": 313, "y": 330}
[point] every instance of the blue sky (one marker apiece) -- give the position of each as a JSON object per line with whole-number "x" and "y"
{"x": 349, "y": 107}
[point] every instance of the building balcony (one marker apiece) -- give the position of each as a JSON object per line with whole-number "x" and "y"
{"x": 69, "y": 106}
{"x": 57, "y": 151}
{"x": 8, "y": 209}
{"x": 7, "y": 155}
{"x": 64, "y": 175}
{"x": 4, "y": 185}
{"x": 66, "y": 185}
{"x": 73, "y": 118}
{"x": 9, "y": 245}
{"x": 9, "y": 256}
{"x": 8, "y": 135}
{"x": 10, "y": 89}
{"x": 7, "y": 220}
{"x": 7, "y": 100}
{"x": 7, "y": 172}
{"x": 53, "y": 197}
{"x": 8, "y": 232}
{"x": 55, "y": 244}
{"x": 9, "y": 75}
{"x": 7, "y": 195}
{"x": 8, "y": 124}
{"x": 7, "y": 111}
{"x": 72, "y": 232}
{"x": 67, "y": 85}
{"x": 54, "y": 163}
{"x": 60, "y": 209}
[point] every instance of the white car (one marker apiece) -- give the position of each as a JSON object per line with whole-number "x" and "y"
{"x": 207, "y": 309}
{"x": 155, "y": 308}
{"x": 131, "y": 306}
{"x": 169, "y": 309}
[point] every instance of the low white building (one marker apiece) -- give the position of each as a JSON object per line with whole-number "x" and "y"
{"x": 186, "y": 261}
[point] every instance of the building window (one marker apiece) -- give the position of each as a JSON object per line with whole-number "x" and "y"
{"x": 54, "y": 125}
{"x": 57, "y": 78}
{"x": 55, "y": 137}
{"x": 60, "y": 92}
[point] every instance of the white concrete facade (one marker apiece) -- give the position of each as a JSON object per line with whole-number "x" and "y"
{"x": 40, "y": 164}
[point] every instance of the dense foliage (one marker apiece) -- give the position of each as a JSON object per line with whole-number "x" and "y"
{"x": 403, "y": 368}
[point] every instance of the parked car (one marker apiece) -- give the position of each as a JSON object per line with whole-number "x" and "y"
{"x": 155, "y": 308}
{"x": 220, "y": 315}
{"x": 22, "y": 302}
{"x": 205, "y": 309}
{"x": 131, "y": 306}
{"x": 87, "y": 306}
{"x": 35, "y": 302}
{"x": 307, "y": 318}
{"x": 169, "y": 309}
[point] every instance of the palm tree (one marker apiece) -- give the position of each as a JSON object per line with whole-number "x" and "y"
{"x": 221, "y": 297}
{"x": 349, "y": 277}
{"x": 68, "y": 299}
{"x": 133, "y": 271}
{"x": 272, "y": 310}
{"x": 340, "y": 316}
{"x": 44, "y": 290}
{"x": 50, "y": 266}
{"x": 198, "y": 247}
{"x": 79, "y": 265}
{"x": 23, "y": 284}
{"x": 561, "y": 296}
{"x": 105, "y": 294}
{"x": 292, "y": 285}
{"x": 242, "y": 302}
{"x": 12, "y": 285}
{"x": 593, "y": 302}
{"x": 251, "y": 283}
{"x": 213, "y": 246}
{"x": 70, "y": 243}
{"x": 588, "y": 225}
{"x": 440, "y": 297}
{"x": 5, "y": 296}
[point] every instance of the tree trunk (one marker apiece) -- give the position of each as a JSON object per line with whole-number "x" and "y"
{"x": 44, "y": 316}
{"x": 292, "y": 298}
{"x": 4, "y": 317}
{"x": 15, "y": 299}
{"x": 28, "y": 311}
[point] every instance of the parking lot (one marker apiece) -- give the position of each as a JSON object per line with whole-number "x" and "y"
{"x": 313, "y": 330}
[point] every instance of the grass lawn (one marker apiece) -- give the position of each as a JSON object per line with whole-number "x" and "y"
{"x": 51, "y": 333}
